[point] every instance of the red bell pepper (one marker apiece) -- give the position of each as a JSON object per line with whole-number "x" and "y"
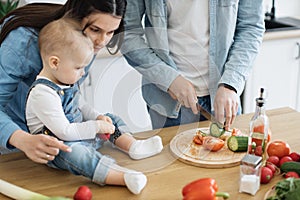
{"x": 204, "y": 189}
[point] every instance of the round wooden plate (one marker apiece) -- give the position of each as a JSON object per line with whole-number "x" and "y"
{"x": 182, "y": 146}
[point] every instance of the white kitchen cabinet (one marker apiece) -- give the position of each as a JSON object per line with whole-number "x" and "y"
{"x": 277, "y": 70}
{"x": 114, "y": 86}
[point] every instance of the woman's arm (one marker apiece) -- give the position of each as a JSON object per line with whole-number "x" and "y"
{"x": 19, "y": 63}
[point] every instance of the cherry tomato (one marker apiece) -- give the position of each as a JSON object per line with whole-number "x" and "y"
{"x": 105, "y": 136}
{"x": 271, "y": 167}
{"x": 295, "y": 156}
{"x": 285, "y": 159}
{"x": 274, "y": 160}
{"x": 291, "y": 174}
{"x": 258, "y": 151}
{"x": 278, "y": 148}
{"x": 83, "y": 193}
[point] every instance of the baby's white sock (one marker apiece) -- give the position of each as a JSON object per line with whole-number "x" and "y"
{"x": 145, "y": 148}
{"x": 135, "y": 181}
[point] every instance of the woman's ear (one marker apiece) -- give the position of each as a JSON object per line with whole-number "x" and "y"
{"x": 54, "y": 62}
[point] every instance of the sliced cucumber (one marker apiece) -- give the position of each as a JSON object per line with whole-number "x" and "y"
{"x": 237, "y": 143}
{"x": 215, "y": 130}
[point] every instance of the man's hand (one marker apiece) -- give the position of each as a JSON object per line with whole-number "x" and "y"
{"x": 226, "y": 102}
{"x": 39, "y": 148}
{"x": 184, "y": 92}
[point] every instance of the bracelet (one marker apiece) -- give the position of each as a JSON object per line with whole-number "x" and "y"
{"x": 115, "y": 135}
{"x": 228, "y": 87}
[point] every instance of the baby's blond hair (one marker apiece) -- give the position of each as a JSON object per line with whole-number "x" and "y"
{"x": 62, "y": 36}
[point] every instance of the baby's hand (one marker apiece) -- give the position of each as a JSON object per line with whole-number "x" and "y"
{"x": 106, "y": 128}
{"x": 104, "y": 118}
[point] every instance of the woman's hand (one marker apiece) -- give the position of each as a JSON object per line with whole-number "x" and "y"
{"x": 39, "y": 148}
{"x": 184, "y": 92}
{"x": 226, "y": 103}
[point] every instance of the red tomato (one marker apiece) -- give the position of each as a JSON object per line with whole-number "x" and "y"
{"x": 266, "y": 175}
{"x": 271, "y": 167}
{"x": 285, "y": 159}
{"x": 258, "y": 151}
{"x": 198, "y": 139}
{"x": 105, "y": 136}
{"x": 83, "y": 193}
{"x": 278, "y": 148}
{"x": 213, "y": 143}
{"x": 295, "y": 156}
{"x": 291, "y": 174}
{"x": 274, "y": 160}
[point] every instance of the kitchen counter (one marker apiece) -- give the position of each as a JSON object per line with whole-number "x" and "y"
{"x": 282, "y": 34}
{"x": 166, "y": 175}
{"x": 276, "y": 35}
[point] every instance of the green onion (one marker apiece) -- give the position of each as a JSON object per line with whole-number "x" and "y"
{"x": 18, "y": 193}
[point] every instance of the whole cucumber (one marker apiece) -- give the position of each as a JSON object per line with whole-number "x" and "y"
{"x": 292, "y": 166}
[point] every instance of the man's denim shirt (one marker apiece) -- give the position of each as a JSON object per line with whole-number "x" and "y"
{"x": 236, "y": 31}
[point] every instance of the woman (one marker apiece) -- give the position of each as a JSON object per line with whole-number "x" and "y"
{"x": 20, "y": 62}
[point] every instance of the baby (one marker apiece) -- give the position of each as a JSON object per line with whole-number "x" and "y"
{"x": 53, "y": 108}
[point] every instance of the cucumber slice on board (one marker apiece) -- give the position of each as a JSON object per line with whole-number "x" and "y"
{"x": 215, "y": 130}
{"x": 237, "y": 143}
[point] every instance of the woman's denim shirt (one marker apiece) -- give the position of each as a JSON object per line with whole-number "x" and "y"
{"x": 20, "y": 62}
{"x": 236, "y": 31}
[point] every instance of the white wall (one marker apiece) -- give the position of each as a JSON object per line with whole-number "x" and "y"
{"x": 115, "y": 87}
{"x": 284, "y": 8}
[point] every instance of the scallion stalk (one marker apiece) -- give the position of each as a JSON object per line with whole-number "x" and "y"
{"x": 18, "y": 193}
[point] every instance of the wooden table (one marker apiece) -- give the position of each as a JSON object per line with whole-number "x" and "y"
{"x": 166, "y": 175}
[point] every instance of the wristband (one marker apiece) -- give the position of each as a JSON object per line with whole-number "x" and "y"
{"x": 228, "y": 87}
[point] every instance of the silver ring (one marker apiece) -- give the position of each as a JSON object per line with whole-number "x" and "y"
{"x": 48, "y": 156}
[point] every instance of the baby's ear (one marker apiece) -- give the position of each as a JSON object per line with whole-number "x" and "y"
{"x": 54, "y": 62}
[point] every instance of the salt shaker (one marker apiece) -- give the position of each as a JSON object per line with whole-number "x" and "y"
{"x": 250, "y": 170}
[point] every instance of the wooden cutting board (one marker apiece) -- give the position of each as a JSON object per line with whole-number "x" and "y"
{"x": 182, "y": 146}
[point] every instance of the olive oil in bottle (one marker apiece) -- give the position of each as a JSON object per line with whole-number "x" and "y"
{"x": 259, "y": 126}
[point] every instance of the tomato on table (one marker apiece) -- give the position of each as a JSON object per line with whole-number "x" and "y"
{"x": 278, "y": 148}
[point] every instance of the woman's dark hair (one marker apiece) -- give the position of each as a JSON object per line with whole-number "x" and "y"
{"x": 37, "y": 15}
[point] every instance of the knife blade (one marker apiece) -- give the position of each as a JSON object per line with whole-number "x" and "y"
{"x": 209, "y": 116}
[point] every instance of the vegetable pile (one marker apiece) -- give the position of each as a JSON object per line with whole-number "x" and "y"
{"x": 280, "y": 161}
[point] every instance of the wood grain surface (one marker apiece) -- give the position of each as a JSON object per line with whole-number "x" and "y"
{"x": 166, "y": 175}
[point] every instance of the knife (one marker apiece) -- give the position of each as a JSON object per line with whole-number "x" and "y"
{"x": 209, "y": 116}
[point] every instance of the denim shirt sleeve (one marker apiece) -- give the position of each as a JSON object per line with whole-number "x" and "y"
{"x": 142, "y": 49}
{"x": 246, "y": 42}
{"x": 7, "y": 126}
{"x": 19, "y": 64}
